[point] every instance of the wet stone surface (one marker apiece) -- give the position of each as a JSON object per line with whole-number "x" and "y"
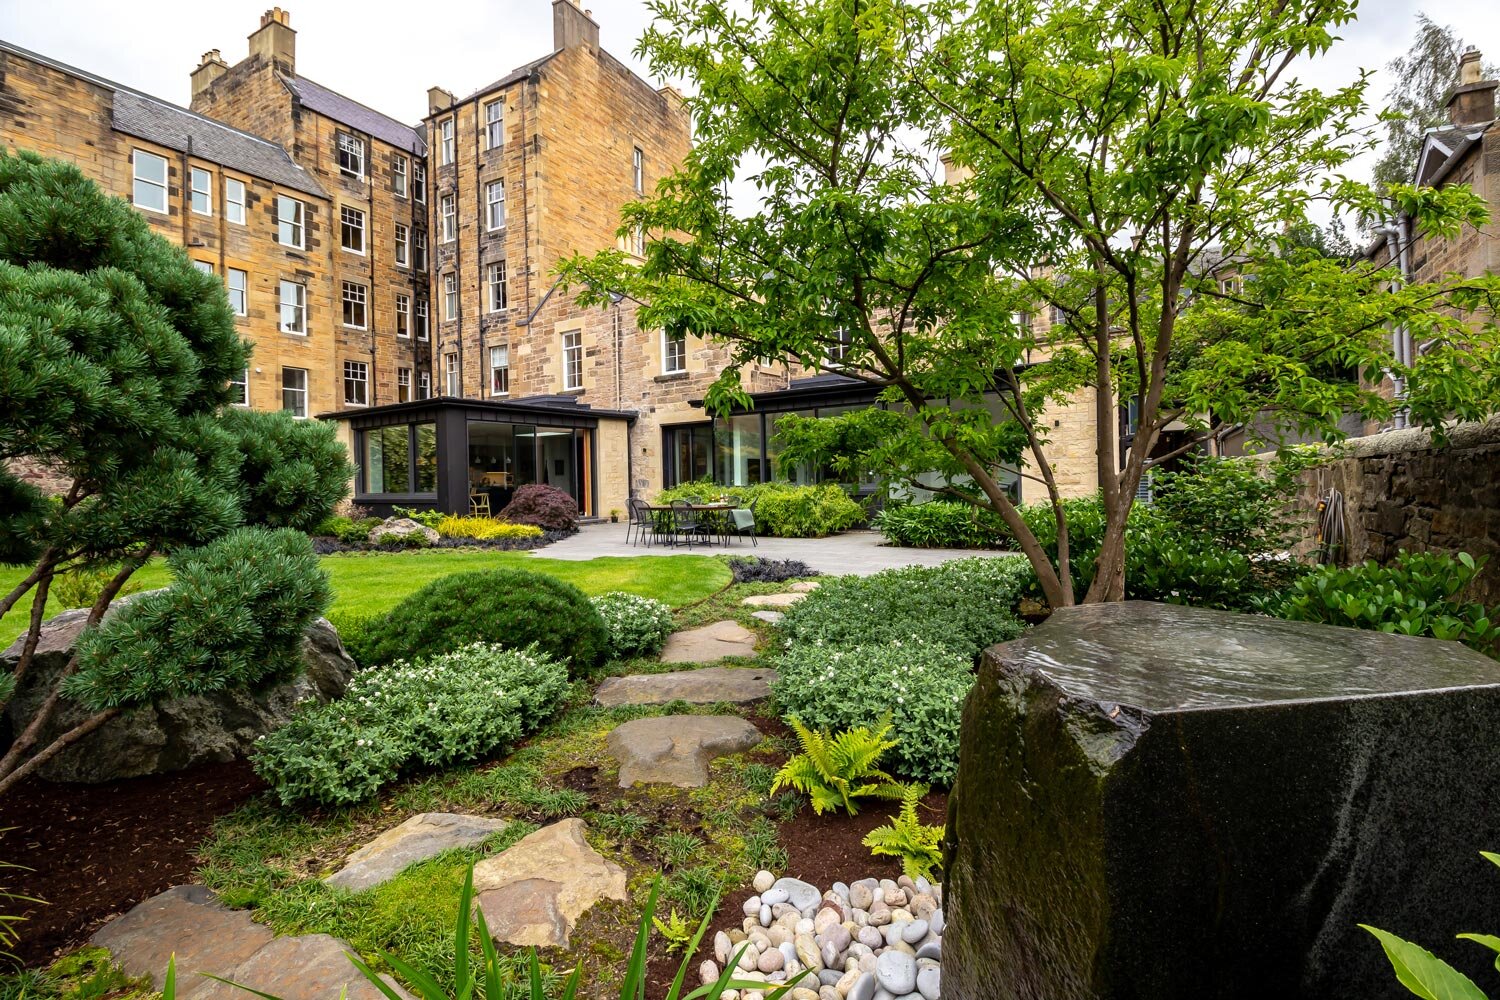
{"x": 1211, "y": 803}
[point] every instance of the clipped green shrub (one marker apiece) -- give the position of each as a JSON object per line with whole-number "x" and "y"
{"x": 941, "y": 524}
{"x": 1420, "y": 593}
{"x": 919, "y": 685}
{"x": 783, "y": 509}
{"x": 965, "y": 605}
{"x": 637, "y": 626}
{"x": 507, "y": 606}
{"x": 457, "y": 706}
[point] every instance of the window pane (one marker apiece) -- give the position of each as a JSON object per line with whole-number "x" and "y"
{"x": 426, "y": 451}
{"x": 150, "y": 190}
{"x": 202, "y": 190}
{"x": 234, "y": 200}
{"x": 737, "y": 450}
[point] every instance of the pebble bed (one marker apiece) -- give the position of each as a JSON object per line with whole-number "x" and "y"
{"x": 874, "y": 939}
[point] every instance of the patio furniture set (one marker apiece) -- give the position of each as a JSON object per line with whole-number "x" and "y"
{"x": 691, "y": 521}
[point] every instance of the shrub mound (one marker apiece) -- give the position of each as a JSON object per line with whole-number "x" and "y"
{"x": 750, "y": 569}
{"x": 783, "y": 509}
{"x": 457, "y": 706}
{"x": 638, "y": 626}
{"x": 941, "y": 524}
{"x": 511, "y": 607}
{"x": 922, "y": 685}
{"x": 543, "y": 506}
{"x": 964, "y": 605}
{"x": 484, "y": 528}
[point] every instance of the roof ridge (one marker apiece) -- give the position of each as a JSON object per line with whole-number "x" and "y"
{"x": 112, "y": 85}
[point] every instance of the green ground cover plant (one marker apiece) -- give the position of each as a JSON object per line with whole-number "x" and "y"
{"x": 514, "y": 608}
{"x": 637, "y": 626}
{"x": 835, "y": 769}
{"x": 436, "y": 711}
{"x": 783, "y": 509}
{"x": 918, "y": 845}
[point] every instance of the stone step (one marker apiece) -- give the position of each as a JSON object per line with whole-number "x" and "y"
{"x": 677, "y": 749}
{"x": 709, "y": 644}
{"x": 422, "y": 836}
{"x": 704, "y": 686}
{"x": 533, "y": 893}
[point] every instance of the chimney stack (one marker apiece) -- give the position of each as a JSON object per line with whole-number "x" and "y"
{"x": 275, "y": 41}
{"x": 439, "y": 99}
{"x": 573, "y": 26}
{"x": 210, "y": 68}
{"x": 1473, "y": 100}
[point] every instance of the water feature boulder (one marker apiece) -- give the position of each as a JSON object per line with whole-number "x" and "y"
{"x": 1169, "y": 803}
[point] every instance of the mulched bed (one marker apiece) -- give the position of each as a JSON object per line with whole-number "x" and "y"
{"x": 325, "y": 545}
{"x": 96, "y": 850}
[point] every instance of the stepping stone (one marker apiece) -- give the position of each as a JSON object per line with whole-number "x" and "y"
{"x": 768, "y": 616}
{"x": 419, "y": 838}
{"x": 709, "y": 643}
{"x": 305, "y": 967}
{"x": 533, "y": 893}
{"x": 805, "y": 586}
{"x": 676, "y": 749}
{"x": 773, "y": 600}
{"x": 187, "y": 920}
{"x": 696, "y": 687}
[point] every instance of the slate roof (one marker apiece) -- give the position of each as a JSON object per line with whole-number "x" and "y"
{"x": 356, "y": 115}
{"x": 166, "y": 124}
{"x": 514, "y": 76}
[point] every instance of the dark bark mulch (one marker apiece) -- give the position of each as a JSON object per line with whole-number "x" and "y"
{"x": 96, "y": 850}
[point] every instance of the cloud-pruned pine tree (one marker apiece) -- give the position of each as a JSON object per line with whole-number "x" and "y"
{"x": 115, "y": 361}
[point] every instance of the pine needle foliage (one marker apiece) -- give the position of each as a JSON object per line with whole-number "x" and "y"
{"x": 918, "y": 845}
{"x": 833, "y": 770}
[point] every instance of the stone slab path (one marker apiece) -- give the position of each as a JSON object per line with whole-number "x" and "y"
{"x": 696, "y": 687}
{"x": 709, "y": 643}
{"x": 676, "y": 749}
{"x": 769, "y": 617}
{"x": 533, "y": 893}
{"x": 419, "y": 838}
{"x": 206, "y": 936}
{"x": 774, "y": 600}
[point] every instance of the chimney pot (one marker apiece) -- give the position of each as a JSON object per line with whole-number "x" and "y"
{"x": 275, "y": 40}
{"x": 1469, "y": 66}
{"x": 1473, "y": 100}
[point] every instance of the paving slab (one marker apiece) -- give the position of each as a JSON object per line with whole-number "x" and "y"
{"x": 804, "y": 586}
{"x": 696, "y": 687}
{"x": 190, "y": 922}
{"x": 709, "y": 643}
{"x": 534, "y": 893}
{"x": 419, "y": 838}
{"x": 676, "y": 749}
{"x": 305, "y": 967}
{"x": 771, "y": 617}
{"x": 774, "y": 600}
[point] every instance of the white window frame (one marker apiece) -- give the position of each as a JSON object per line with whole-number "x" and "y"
{"x": 496, "y": 283}
{"x": 352, "y": 220}
{"x": 354, "y": 294}
{"x": 450, "y": 297}
{"x": 350, "y": 147}
{"x": 357, "y": 376}
{"x": 206, "y": 192}
{"x": 297, "y": 305}
{"x": 403, "y": 385}
{"x": 500, "y": 370}
{"x": 448, "y": 218}
{"x": 638, "y": 241}
{"x": 403, "y": 316}
{"x": 420, "y": 318}
{"x": 234, "y": 200}
{"x": 244, "y": 383}
{"x": 204, "y": 266}
{"x": 299, "y": 410}
{"x": 419, "y": 182}
{"x": 494, "y": 124}
{"x": 838, "y": 352}
{"x": 398, "y": 175}
{"x": 638, "y": 169}
{"x": 673, "y": 360}
{"x": 445, "y": 142}
{"x": 419, "y": 249}
{"x": 296, "y": 227}
{"x": 424, "y": 385}
{"x": 403, "y": 245}
{"x": 138, "y": 158}
{"x": 240, "y": 290}
{"x": 494, "y": 215}
{"x": 452, "y": 380}
{"x": 572, "y": 360}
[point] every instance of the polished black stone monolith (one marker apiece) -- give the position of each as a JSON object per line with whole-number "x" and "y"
{"x": 1166, "y": 803}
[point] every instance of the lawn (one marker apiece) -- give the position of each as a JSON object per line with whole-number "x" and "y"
{"x": 366, "y": 583}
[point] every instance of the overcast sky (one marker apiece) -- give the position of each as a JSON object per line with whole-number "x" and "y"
{"x": 387, "y": 54}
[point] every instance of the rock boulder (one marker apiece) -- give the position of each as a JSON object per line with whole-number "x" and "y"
{"x": 400, "y": 529}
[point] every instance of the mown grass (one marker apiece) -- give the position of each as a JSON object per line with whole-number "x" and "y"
{"x": 369, "y": 583}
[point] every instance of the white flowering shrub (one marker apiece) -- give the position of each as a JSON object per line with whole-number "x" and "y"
{"x": 637, "y": 626}
{"x": 449, "y": 708}
{"x": 921, "y": 684}
{"x": 965, "y": 605}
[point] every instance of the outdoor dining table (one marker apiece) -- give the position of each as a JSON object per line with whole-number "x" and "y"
{"x": 659, "y": 509}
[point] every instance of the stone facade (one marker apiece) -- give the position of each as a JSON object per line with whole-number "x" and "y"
{"x": 1401, "y": 492}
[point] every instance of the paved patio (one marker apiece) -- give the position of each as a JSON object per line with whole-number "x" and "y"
{"x": 857, "y": 552}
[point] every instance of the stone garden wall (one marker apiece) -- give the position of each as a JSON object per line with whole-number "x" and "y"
{"x": 1401, "y": 492}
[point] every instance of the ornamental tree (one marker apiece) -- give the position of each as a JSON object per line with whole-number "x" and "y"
{"x": 1106, "y": 158}
{"x": 115, "y": 361}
